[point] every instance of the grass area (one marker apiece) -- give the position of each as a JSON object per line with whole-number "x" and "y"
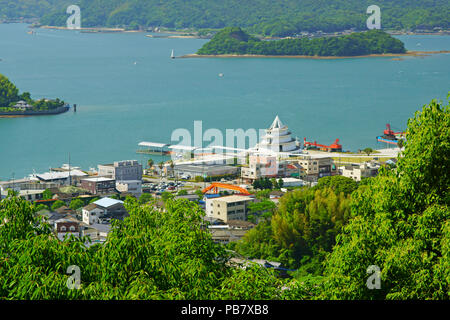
{"x": 150, "y": 177}
{"x": 338, "y": 160}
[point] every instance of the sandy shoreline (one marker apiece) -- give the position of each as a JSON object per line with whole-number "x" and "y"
{"x": 387, "y": 55}
{"x": 90, "y": 29}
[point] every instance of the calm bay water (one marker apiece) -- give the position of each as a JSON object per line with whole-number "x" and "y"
{"x": 121, "y": 103}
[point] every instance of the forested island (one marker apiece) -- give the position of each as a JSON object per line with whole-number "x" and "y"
{"x": 269, "y": 18}
{"x": 234, "y": 41}
{"x": 13, "y": 103}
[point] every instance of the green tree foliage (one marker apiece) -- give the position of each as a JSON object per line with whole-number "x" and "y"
{"x": 338, "y": 184}
{"x": 58, "y": 204}
{"x": 149, "y": 255}
{"x": 47, "y": 194}
{"x": 401, "y": 222}
{"x": 199, "y": 179}
{"x": 76, "y": 204}
{"x": 264, "y": 209}
{"x": 259, "y": 243}
{"x": 182, "y": 192}
{"x": 199, "y": 193}
{"x": 262, "y": 184}
{"x": 166, "y": 195}
{"x": 368, "y": 151}
{"x": 41, "y": 207}
{"x": 275, "y": 18}
{"x": 280, "y": 183}
{"x": 263, "y": 194}
{"x": 235, "y": 41}
{"x": 94, "y": 199}
{"x": 145, "y": 197}
{"x": 18, "y": 221}
{"x": 305, "y": 224}
{"x": 8, "y": 92}
{"x": 46, "y": 104}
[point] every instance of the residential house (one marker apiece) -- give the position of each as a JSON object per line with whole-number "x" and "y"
{"x": 92, "y": 213}
{"x": 67, "y": 227}
{"x": 103, "y": 210}
{"x": 360, "y": 171}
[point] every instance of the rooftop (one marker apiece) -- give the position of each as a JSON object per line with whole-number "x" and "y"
{"x": 61, "y": 175}
{"x": 90, "y": 206}
{"x": 234, "y": 198}
{"x": 152, "y": 144}
{"x": 98, "y": 179}
{"x": 202, "y": 167}
{"x": 277, "y": 124}
{"x": 107, "y": 202}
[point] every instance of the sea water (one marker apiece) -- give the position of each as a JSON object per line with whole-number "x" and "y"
{"x": 128, "y": 90}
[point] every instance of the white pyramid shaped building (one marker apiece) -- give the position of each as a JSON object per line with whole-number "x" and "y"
{"x": 278, "y": 139}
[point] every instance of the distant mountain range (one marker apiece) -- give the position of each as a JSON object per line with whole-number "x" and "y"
{"x": 267, "y": 17}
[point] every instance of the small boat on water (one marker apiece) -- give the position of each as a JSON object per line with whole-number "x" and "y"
{"x": 391, "y": 137}
{"x": 172, "y": 56}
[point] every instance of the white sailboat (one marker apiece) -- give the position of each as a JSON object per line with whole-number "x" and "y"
{"x": 172, "y": 56}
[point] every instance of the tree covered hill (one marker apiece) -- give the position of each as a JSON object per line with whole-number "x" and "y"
{"x": 9, "y": 96}
{"x": 275, "y": 18}
{"x": 233, "y": 40}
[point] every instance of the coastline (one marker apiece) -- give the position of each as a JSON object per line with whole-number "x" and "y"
{"x": 19, "y": 114}
{"x": 172, "y": 37}
{"x": 87, "y": 29}
{"x": 191, "y": 34}
{"x": 383, "y": 55}
{"x": 170, "y": 34}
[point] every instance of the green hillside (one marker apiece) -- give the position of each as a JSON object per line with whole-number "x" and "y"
{"x": 235, "y": 41}
{"x": 275, "y": 18}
